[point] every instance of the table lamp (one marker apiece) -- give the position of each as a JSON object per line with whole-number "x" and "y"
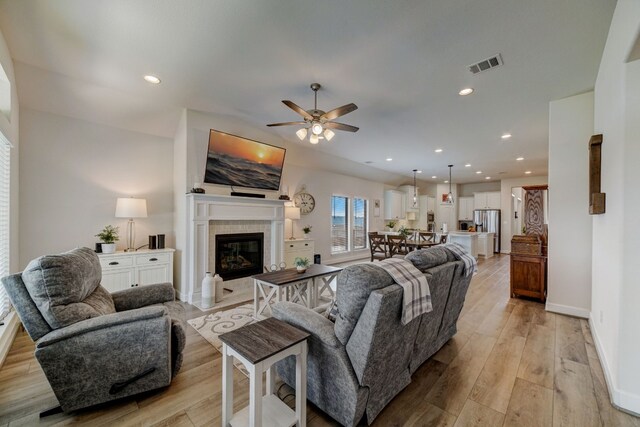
{"x": 129, "y": 207}
{"x": 291, "y": 212}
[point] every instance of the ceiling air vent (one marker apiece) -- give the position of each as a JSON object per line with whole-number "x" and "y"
{"x": 487, "y": 64}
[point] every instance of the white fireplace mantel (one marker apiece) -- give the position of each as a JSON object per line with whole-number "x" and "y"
{"x": 202, "y": 208}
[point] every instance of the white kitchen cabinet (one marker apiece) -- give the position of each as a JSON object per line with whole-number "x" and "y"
{"x": 465, "y": 208}
{"x": 298, "y": 248}
{"x": 431, "y": 204}
{"x": 122, "y": 270}
{"x": 408, "y": 198}
{"x": 487, "y": 200}
{"x": 394, "y": 204}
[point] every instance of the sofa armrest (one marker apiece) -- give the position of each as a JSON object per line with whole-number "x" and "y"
{"x": 304, "y": 318}
{"x": 143, "y": 296}
{"x": 101, "y": 322}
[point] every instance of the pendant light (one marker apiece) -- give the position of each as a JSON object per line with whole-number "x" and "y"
{"x": 415, "y": 189}
{"x": 450, "y": 195}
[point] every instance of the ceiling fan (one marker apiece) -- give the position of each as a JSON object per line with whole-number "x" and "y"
{"x": 321, "y": 123}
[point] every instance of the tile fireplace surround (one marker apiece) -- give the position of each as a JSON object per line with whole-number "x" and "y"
{"x": 208, "y": 215}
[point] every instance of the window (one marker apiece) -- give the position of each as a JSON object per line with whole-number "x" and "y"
{"x": 359, "y": 223}
{"x": 4, "y": 220}
{"x": 339, "y": 224}
{"x": 349, "y": 226}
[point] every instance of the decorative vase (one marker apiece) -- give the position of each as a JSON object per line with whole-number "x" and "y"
{"x": 301, "y": 269}
{"x": 219, "y": 287}
{"x": 108, "y": 248}
{"x": 208, "y": 291}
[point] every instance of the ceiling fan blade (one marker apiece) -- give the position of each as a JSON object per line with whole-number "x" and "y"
{"x": 297, "y": 109}
{"x": 341, "y": 126}
{"x": 340, "y": 111}
{"x": 286, "y": 124}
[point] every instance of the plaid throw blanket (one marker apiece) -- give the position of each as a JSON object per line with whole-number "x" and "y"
{"x": 417, "y": 297}
{"x": 470, "y": 263}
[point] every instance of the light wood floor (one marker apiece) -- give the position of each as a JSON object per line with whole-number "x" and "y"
{"x": 511, "y": 363}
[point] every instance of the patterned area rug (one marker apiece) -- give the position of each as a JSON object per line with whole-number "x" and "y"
{"x": 210, "y": 326}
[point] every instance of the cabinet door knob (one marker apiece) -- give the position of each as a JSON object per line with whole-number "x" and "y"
{"x": 290, "y": 246}
{"x": 153, "y": 259}
{"x": 114, "y": 263}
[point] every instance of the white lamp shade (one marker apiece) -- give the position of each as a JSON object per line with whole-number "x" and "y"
{"x": 291, "y": 212}
{"x": 314, "y": 139}
{"x": 128, "y": 207}
{"x": 301, "y": 133}
{"x": 329, "y": 134}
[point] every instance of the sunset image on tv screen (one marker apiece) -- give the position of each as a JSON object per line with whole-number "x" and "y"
{"x": 232, "y": 160}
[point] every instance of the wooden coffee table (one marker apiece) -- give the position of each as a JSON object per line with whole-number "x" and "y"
{"x": 259, "y": 346}
{"x": 304, "y": 288}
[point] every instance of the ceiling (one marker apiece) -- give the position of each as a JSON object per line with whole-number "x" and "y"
{"x": 402, "y": 63}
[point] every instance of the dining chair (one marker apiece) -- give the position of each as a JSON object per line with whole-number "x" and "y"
{"x": 427, "y": 236}
{"x": 378, "y": 246}
{"x": 397, "y": 246}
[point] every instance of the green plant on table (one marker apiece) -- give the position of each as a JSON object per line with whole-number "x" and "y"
{"x": 306, "y": 229}
{"x": 109, "y": 234}
{"x": 391, "y": 224}
{"x": 301, "y": 262}
{"x": 404, "y": 232}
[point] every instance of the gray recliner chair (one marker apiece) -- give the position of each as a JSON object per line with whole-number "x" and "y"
{"x": 94, "y": 346}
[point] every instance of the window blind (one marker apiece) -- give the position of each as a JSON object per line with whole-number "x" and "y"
{"x": 5, "y": 170}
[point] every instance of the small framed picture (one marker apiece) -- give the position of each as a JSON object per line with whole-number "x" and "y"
{"x": 376, "y": 207}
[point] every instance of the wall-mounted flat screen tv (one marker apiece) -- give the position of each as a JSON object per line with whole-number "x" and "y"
{"x": 236, "y": 161}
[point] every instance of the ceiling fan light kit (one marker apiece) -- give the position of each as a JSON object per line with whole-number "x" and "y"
{"x": 318, "y": 121}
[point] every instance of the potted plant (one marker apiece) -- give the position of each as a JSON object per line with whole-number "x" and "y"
{"x": 404, "y": 232}
{"x": 306, "y": 230}
{"x": 391, "y": 224}
{"x": 108, "y": 236}
{"x": 301, "y": 264}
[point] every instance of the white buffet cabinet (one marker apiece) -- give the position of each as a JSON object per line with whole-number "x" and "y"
{"x": 122, "y": 270}
{"x": 298, "y": 248}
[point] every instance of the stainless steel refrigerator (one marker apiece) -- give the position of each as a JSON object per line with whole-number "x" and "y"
{"x": 488, "y": 221}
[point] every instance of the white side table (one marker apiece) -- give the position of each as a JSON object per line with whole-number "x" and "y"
{"x": 259, "y": 346}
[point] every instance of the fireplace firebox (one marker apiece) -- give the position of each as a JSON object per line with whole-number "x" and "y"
{"x": 239, "y": 255}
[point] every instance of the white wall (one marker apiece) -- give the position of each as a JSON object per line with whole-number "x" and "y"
{"x": 9, "y": 126}
{"x": 445, "y": 212}
{"x": 72, "y": 171}
{"x": 615, "y": 292}
{"x": 505, "y": 206}
{"x": 569, "y": 261}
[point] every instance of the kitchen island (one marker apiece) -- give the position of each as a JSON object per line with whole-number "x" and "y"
{"x": 468, "y": 239}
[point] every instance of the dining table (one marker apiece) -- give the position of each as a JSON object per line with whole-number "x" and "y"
{"x": 414, "y": 244}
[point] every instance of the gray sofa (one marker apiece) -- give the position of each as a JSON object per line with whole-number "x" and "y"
{"x": 94, "y": 346}
{"x": 359, "y": 364}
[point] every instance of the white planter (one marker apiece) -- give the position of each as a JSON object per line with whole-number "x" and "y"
{"x": 301, "y": 269}
{"x": 108, "y": 248}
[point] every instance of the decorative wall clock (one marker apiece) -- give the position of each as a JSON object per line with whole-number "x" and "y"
{"x": 304, "y": 201}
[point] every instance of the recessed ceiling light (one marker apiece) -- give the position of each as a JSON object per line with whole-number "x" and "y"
{"x": 152, "y": 79}
{"x": 520, "y": 158}
{"x": 466, "y": 91}
{"x": 506, "y": 136}
{"x": 434, "y": 177}
{"x": 438, "y": 150}
{"x": 468, "y": 165}
{"x": 528, "y": 172}
{"x": 478, "y": 172}
{"x": 389, "y": 159}
{"x": 487, "y": 177}
{"x": 446, "y": 182}
{"x": 418, "y": 171}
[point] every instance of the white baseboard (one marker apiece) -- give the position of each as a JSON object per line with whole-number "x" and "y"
{"x": 7, "y": 334}
{"x": 567, "y": 309}
{"x": 620, "y": 399}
